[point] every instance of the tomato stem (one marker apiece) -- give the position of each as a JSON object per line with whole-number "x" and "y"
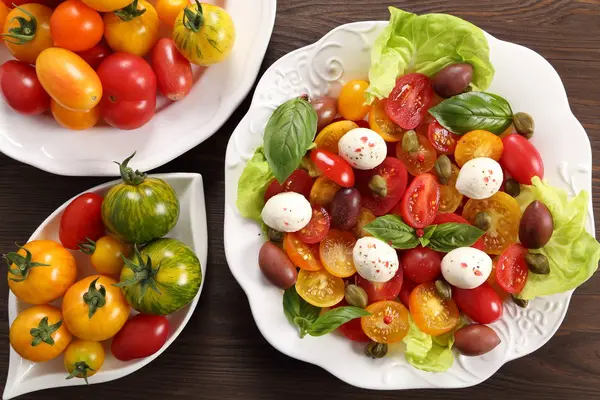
{"x": 130, "y": 177}
{"x": 143, "y": 273}
{"x": 193, "y": 19}
{"x": 88, "y": 248}
{"x": 43, "y": 333}
{"x": 80, "y": 370}
{"x": 94, "y": 298}
{"x": 25, "y": 32}
{"x": 23, "y": 264}
{"x": 130, "y": 12}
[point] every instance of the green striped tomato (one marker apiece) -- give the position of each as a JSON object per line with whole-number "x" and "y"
{"x": 163, "y": 278}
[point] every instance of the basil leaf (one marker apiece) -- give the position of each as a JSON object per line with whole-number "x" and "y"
{"x": 288, "y": 135}
{"x": 452, "y": 235}
{"x": 332, "y": 319}
{"x": 304, "y": 325}
{"x": 295, "y": 306}
{"x": 474, "y": 110}
{"x": 424, "y": 241}
{"x": 392, "y": 230}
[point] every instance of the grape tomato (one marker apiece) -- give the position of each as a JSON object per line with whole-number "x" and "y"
{"x": 409, "y": 101}
{"x": 420, "y": 203}
{"x": 333, "y": 166}
{"x": 441, "y": 138}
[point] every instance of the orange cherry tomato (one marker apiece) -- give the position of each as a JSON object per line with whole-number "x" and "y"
{"x": 168, "y": 10}
{"x": 329, "y": 136}
{"x": 304, "y": 256}
{"x": 382, "y": 124}
{"x": 320, "y": 288}
{"x": 133, "y": 29}
{"x": 476, "y": 144}
{"x": 323, "y": 191}
{"x": 351, "y": 101}
{"x": 336, "y": 253}
{"x": 76, "y": 120}
{"x": 75, "y": 26}
{"x": 388, "y": 322}
{"x": 450, "y": 198}
{"x": 431, "y": 313}
{"x": 420, "y": 161}
{"x": 26, "y": 31}
{"x": 3, "y": 13}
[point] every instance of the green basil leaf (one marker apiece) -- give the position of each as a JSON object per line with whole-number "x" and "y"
{"x": 424, "y": 241}
{"x": 452, "y": 235}
{"x": 295, "y": 306}
{"x": 332, "y": 319}
{"x": 304, "y": 325}
{"x": 288, "y": 135}
{"x": 428, "y": 231}
{"x": 474, "y": 110}
{"x": 392, "y": 230}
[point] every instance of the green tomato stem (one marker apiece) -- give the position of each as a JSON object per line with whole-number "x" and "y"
{"x": 80, "y": 370}
{"x": 23, "y": 264}
{"x": 129, "y": 176}
{"x": 25, "y": 32}
{"x": 130, "y": 12}
{"x": 193, "y": 19}
{"x": 43, "y": 333}
{"x": 94, "y": 298}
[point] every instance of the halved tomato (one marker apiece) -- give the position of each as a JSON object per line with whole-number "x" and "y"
{"x": 323, "y": 191}
{"x": 299, "y": 181}
{"x": 441, "y": 138}
{"x": 493, "y": 282}
{"x": 409, "y": 101}
{"x": 382, "y": 187}
{"x": 388, "y": 322}
{"x": 304, "y": 256}
{"x": 365, "y": 216}
{"x": 317, "y": 228}
{"x": 432, "y": 314}
{"x": 419, "y": 161}
{"x": 329, "y": 136}
{"x": 452, "y": 217}
{"x": 336, "y": 253}
{"x": 382, "y": 124}
{"x": 421, "y": 201}
{"x": 320, "y": 288}
{"x": 378, "y": 291}
{"x": 450, "y": 198}
{"x": 477, "y": 144}
{"x": 511, "y": 269}
{"x": 352, "y": 329}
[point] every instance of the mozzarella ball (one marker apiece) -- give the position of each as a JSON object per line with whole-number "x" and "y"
{"x": 363, "y": 148}
{"x": 375, "y": 260}
{"x": 287, "y": 212}
{"x": 466, "y": 267}
{"x": 480, "y": 178}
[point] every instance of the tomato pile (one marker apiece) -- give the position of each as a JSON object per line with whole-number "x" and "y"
{"x": 82, "y": 60}
{"x": 136, "y": 267}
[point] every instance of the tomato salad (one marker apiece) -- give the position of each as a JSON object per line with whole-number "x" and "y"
{"x": 393, "y": 217}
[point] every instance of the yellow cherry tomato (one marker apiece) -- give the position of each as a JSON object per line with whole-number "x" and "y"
{"x": 107, "y": 254}
{"x": 94, "y": 309}
{"x": 450, "y": 197}
{"x": 320, "y": 288}
{"x": 133, "y": 29}
{"x": 107, "y": 5}
{"x": 68, "y": 79}
{"x": 83, "y": 358}
{"x": 204, "y": 33}
{"x": 351, "y": 102}
{"x": 388, "y": 322}
{"x": 26, "y": 31}
{"x": 329, "y": 136}
{"x": 168, "y": 10}
{"x": 476, "y": 144}
{"x": 383, "y": 125}
{"x": 76, "y": 120}
{"x": 39, "y": 333}
{"x": 3, "y": 13}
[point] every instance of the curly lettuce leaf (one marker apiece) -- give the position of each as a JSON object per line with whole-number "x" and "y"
{"x": 572, "y": 252}
{"x": 427, "y": 353}
{"x": 252, "y": 186}
{"x": 426, "y": 44}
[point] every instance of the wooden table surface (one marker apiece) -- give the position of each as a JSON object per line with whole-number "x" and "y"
{"x": 221, "y": 354}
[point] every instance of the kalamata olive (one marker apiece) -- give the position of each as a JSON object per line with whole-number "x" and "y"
{"x": 453, "y": 80}
{"x": 536, "y": 226}
{"x": 326, "y": 108}
{"x": 475, "y": 340}
{"x": 345, "y": 208}
{"x": 277, "y": 266}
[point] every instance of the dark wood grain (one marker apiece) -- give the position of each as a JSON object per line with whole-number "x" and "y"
{"x": 221, "y": 354}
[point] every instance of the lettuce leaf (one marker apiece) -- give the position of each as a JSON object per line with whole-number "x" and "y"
{"x": 426, "y": 352}
{"x": 426, "y": 44}
{"x": 572, "y": 252}
{"x": 252, "y": 186}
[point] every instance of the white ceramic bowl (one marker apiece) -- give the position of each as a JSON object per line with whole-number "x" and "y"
{"x": 530, "y": 84}
{"x": 25, "y": 376}
{"x": 176, "y": 128}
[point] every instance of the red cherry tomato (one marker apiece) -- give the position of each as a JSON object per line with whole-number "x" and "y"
{"x": 521, "y": 159}
{"x": 407, "y": 288}
{"x": 421, "y": 264}
{"x": 421, "y": 201}
{"x": 511, "y": 269}
{"x": 129, "y": 86}
{"x": 352, "y": 329}
{"x": 442, "y": 140}
{"x": 81, "y": 220}
{"x": 382, "y": 291}
{"x": 21, "y": 88}
{"x": 173, "y": 71}
{"x": 482, "y": 304}
{"x": 141, "y": 336}
{"x": 452, "y": 217}
{"x": 395, "y": 176}
{"x": 299, "y": 181}
{"x": 408, "y": 102}
{"x": 334, "y": 167}
{"x": 317, "y": 228}
{"x": 96, "y": 54}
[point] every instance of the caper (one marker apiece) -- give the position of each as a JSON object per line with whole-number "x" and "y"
{"x": 376, "y": 350}
{"x": 309, "y": 166}
{"x": 520, "y": 302}
{"x": 524, "y": 124}
{"x": 483, "y": 220}
{"x": 512, "y": 187}
{"x": 410, "y": 142}
{"x": 356, "y": 296}
{"x": 443, "y": 169}
{"x": 537, "y": 263}
{"x": 378, "y": 185}
{"x": 443, "y": 289}
{"x": 274, "y": 235}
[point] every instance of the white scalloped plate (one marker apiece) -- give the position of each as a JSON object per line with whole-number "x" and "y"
{"x": 531, "y": 85}
{"x": 25, "y": 376}
{"x": 176, "y": 128}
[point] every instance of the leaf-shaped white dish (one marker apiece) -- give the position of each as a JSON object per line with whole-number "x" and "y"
{"x": 25, "y": 376}
{"x": 530, "y": 85}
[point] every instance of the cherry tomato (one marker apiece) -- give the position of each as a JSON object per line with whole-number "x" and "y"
{"x": 320, "y": 288}
{"x": 512, "y": 270}
{"x": 168, "y": 10}
{"x": 107, "y": 5}
{"x": 328, "y": 137}
{"x": 421, "y": 264}
{"x": 419, "y": 161}
{"x": 476, "y": 144}
{"x": 133, "y": 29}
{"x": 380, "y": 196}
{"x": 493, "y": 282}
{"x": 365, "y": 216}
{"x": 317, "y": 228}
{"x": 441, "y": 138}
{"x": 129, "y": 91}
{"x": 408, "y": 102}
{"x": 81, "y": 220}
{"x": 76, "y": 120}
{"x": 383, "y": 125}
{"x": 21, "y": 88}
{"x": 106, "y": 254}
{"x": 421, "y": 201}
{"x": 173, "y": 71}
{"x": 299, "y": 181}
{"x": 154, "y": 329}
{"x": 452, "y": 217}
{"x": 96, "y": 54}
{"x": 26, "y": 31}
{"x": 75, "y": 26}
{"x": 405, "y": 291}
{"x": 482, "y": 304}
{"x": 323, "y": 191}
{"x": 18, "y": 3}
{"x": 450, "y": 198}
{"x": 351, "y": 101}
{"x": 83, "y": 358}
{"x": 352, "y": 329}
{"x": 336, "y": 253}
{"x": 326, "y": 109}
{"x": 432, "y": 313}
{"x": 377, "y": 291}
{"x": 388, "y": 322}
{"x": 521, "y": 159}
{"x": 304, "y": 256}
{"x": 4, "y": 10}
{"x": 334, "y": 167}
